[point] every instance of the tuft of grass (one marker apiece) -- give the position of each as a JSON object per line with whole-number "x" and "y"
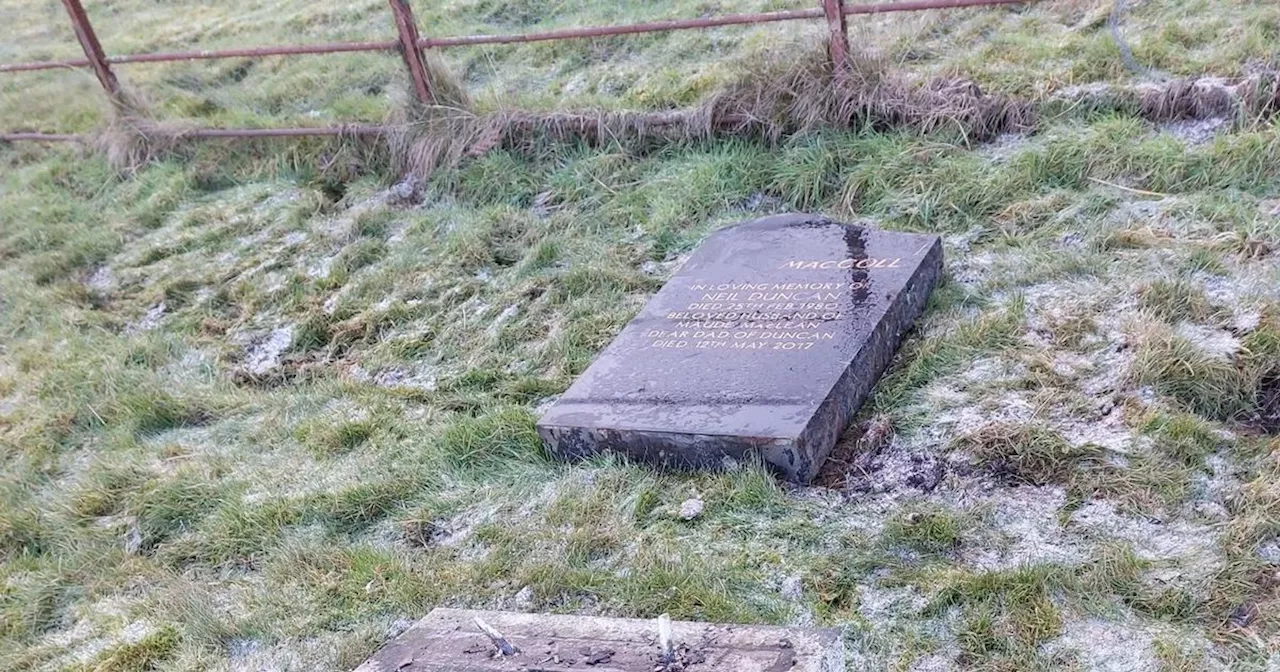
{"x": 325, "y": 440}
{"x": 809, "y": 171}
{"x": 925, "y": 529}
{"x": 236, "y": 533}
{"x": 836, "y": 577}
{"x": 105, "y": 490}
{"x": 1007, "y": 614}
{"x": 151, "y": 411}
{"x": 149, "y": 653}
{"x": 1243, "y": 593}
{"x": 751, "y": 487}
{"x": 492, "y": 440}
{"x": 1184, "y": 438}
{"x": 995, "y": 330}
{"x": 165, "y": 507}
{"x": 1211, "y": 386}
{"x": 33, "y": 605}
{"x": 1115, "y": 570}
{"x": 1205, "y": 260}
{"x": 22, "y": 533}
{"x": 354, "y": 508}
{"x": 352, "y": 258}
{"x": 1071, "y": 331}
{"x": 1174, "y": 656}
{"x": 1029, "y": 453}
{"x": 498, "y": 177}
{"x": 1177, "y": 300}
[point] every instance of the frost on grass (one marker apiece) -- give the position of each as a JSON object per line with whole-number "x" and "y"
{"x": 1071, "y": 373}
{"x": 1108, "y": 646}
{"x": 149, "y": 320}
{"x": 1024, "y": 451}
{"x": 264, "y": 352}
{"x": 97, "y": 628}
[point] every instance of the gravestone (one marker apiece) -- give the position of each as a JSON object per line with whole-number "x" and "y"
{"x": 764, "y": 344}
{"x": 452, "y": 640}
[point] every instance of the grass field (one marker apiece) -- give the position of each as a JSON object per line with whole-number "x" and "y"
{"x": 261, "y": 405}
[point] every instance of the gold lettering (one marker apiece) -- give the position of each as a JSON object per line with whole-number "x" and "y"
{"x": 827, "y": 264}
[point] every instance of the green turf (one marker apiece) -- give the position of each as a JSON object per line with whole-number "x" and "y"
{"x": 256, "y": 413}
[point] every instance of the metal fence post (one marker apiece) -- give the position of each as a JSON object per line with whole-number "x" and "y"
{"x": 834, "y": 10}
{"x": 93, "y": 50}
{"x": 408, "y": 29}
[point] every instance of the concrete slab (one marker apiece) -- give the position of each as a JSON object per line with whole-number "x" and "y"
{"x": 449, "y": 640}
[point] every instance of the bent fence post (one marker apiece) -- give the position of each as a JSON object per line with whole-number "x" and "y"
{"x": 408, "y": 29}
{"x": 93, "y": 50}
{"x": 839, "y": 39}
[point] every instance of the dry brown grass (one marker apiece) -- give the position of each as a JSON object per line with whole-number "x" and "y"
{"x": 795, "y": 95}
{"x": 1028, "y": 453}
{"x": 1251, "y": 98}
{"x": 785, "y": 96}
{"x": 777, "y": 96}
{"x": 130, "y": 141}
{"x": 132, "y": 136}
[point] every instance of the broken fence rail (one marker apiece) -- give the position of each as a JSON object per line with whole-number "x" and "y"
{"x": 100, "y": 63}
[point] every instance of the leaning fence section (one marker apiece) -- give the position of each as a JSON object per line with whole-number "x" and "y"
{"x": 411, "y": 44}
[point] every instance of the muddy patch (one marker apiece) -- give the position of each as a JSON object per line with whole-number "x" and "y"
{"x": 1268, "y": 416}
{"x": 860, "y": 463}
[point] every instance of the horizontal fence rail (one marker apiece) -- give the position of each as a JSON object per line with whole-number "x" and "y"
{"x": 710, "y": 22}
{"x": 251, "y": 52}
{"x": 830, "y": 10}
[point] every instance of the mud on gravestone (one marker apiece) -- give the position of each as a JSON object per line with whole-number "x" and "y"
{"x": 765, "y": 344}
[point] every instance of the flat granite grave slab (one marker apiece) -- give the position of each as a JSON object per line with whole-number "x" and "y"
{"x": 449, "y": 640}
{"x": 764, "y": 344}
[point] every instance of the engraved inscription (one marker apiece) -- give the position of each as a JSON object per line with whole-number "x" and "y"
{"x": 782, "y": 316}
{"x": 840, "y": 264}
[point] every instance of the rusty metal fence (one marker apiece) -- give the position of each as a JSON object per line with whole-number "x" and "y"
{"x": 410, "y": 44}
